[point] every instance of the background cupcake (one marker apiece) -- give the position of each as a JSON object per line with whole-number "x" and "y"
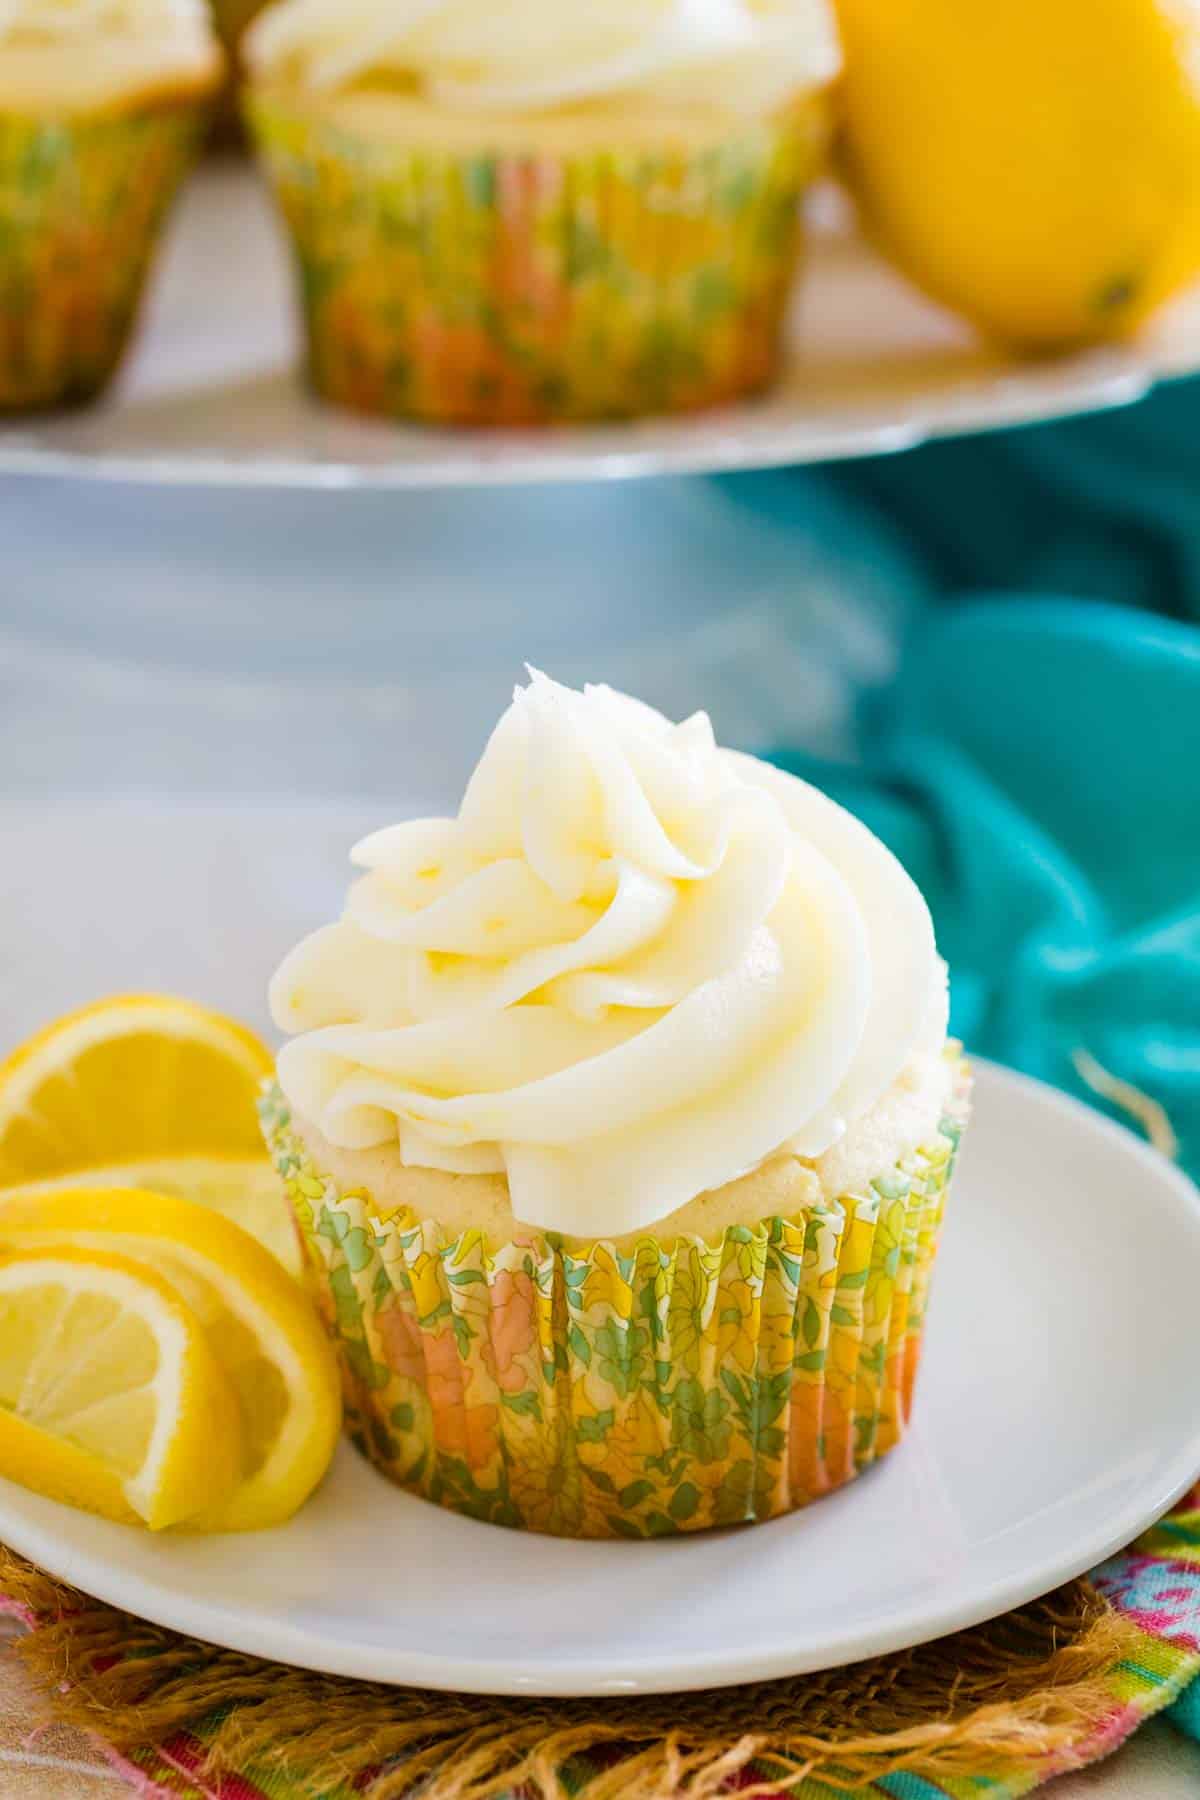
{"x": 231, "y": 18}
{"x": 100, "y": 110}
{"x": 619, "y": 1119}
{"x": 542, "y": 211}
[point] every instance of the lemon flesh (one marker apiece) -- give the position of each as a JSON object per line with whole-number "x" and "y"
{"x": 110, "y": 1395}
{"x": 134, "y": 1077}
{"x": 246, "y": 1190}
{"x": 263, "y": 1330}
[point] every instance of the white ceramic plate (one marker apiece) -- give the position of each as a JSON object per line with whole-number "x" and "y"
{"x": 210, "y": 395}
{"x": 1055, "y": 1419}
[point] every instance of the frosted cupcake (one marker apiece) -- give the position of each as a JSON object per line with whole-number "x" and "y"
{"x": 541, "y": 211}
{"x": 101, "y": 105}
{"x": 618, "y": 1115}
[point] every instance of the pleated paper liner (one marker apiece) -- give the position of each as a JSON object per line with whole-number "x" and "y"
{"x": 509, "y": 288}
{"x": 82, "y": 202}
{"x": 587, "y": 1390}
{"x": 994, "y": 1710}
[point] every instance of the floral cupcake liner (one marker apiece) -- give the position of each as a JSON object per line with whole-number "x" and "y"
{"x": 590, "y": 1391}
{"x": 82, "y": 201}
{"x": 506, "y": 288}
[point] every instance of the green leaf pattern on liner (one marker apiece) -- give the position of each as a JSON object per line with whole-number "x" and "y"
{"x": 535, "y": 286}
{"x": 595, "y": 1390}
{"x": 82, "y": 203}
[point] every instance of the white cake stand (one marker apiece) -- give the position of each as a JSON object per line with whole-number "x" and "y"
{"x": 183, "y": 675}
{"x": 211, "y": 395}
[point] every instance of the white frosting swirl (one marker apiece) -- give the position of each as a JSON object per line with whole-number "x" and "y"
{"x": 631, "y": 969}
{"x": 32, "y": 22}
{"x": 739, "y": 55}
{"x": 79, "y": 55}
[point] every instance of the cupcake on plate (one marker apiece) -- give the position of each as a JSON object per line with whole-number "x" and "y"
{"x": 619, "y": 1118}
{"x": 541, "y": 211}
{"x": 101, "y": 107}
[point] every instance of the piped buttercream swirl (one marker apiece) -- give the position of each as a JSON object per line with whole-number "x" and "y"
{"x": 738, "y": 55}
{"x": 633, "y": 967}
{"x": 27, "y": 23}
{"x": 69, "y": 56}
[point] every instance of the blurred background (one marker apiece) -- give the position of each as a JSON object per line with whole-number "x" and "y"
{"x": 991, "y": 650}
{"x": 988, "y": 645}
{"x": 923, "y": 525}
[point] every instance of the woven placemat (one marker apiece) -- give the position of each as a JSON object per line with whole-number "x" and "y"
{"x": 1044, "y": 1689}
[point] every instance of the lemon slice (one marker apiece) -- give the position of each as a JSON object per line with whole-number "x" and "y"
{"x": 263, "y": 1329}
{"x": 134, "y": 1077}
{"x": 244, "y": 1189}
{"x": 110, "y": 1395}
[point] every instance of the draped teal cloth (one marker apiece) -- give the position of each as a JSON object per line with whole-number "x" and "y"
{"x": 1186, "y": 1711}
{"x": 1105, "y": 507}
{"x": 1036, "y": 762}
{"x": 1037, "y": 770}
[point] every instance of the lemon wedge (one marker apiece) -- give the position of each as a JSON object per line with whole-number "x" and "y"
{"x": 262, "y": 1328}
{"x": 246, "y": 1190}
{"x": 150, "y": 1092}
{"x": 111, "y": 1397}
{"x": 130, "y": 1078}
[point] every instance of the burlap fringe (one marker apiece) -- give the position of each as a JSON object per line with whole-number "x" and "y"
{"x": 1029, "y": 1686}
{"x": 1150, "y": 1114}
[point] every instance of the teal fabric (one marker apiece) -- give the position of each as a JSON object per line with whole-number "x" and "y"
{"x": 1036, "y": 760}
{"x": 1104, "y": 507}
{"x": 1186, "y": 1712}
{"x": 1037, "y": 769}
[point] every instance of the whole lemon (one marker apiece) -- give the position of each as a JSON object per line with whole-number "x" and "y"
{"x": 1034, "y": 164}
